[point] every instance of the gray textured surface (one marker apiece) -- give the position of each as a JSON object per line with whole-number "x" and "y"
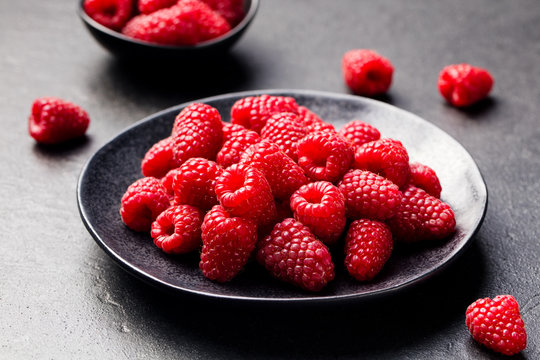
{"x": 62, "y": 297}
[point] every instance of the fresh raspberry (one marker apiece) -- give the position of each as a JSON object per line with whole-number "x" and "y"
{"x": 421, "y": 217}
{"x": 167, "y": 182}
{"x": 321, "y": 207}
{"x": 368, "y": 247}
{"x": 230, "y": 130}
{"x": 425, "y": 178}
{"x": 150, "y": 6}
{"x": 368, "y": 195}
{"x": 312, "y": 122}
{"x": 253, "y": 111}
{"x": 195, "y": 182}
{"x": 244, "y": 192}
{"x": 231, "y": 10}
{"x": 158, "y": 161}
{"x": 325, "y": 156}
{"x": 113, "y": 14}
{"x": 322, "y": 127}
{"x": 366, "y": 72}
{"x": 292, "y": 254}
{"x": 55, "y": 120}
{"x": 198, "y": 112}
{"x": 232, "y": 150}
{"x": 285, "y": 131}
{"x": 177, "y": 230}
{"x": 358, "y": 133}
{"x": 227, "y": 244}
{"x": 142, "y": 202}
{"x": 386, "y": 157}
{"x": 463, "y": 85}
{"x": 497, "y": 324}
{"x": 282, "y": 173}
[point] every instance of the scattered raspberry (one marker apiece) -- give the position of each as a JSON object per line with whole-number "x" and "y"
{"x": 497, "y": 324}
{"x": 358, "y": 133}
{"x": 321, "y": 207}
{"x": 463, "y": 85}
{"x": 244, "y": 192}
{"x": 425, "y": 178}
{"x": 232, "y": 149}
{"x": 113, "y": 14}
{"x": 253, "y": 111}
{"x": 227, "y": 244}
{"x": 312, "y": 122}
{"x": 386, "y": 157}
{"x": 285, "y": 131}
{"x": 292, "y": 254}
{"x": 230, "y": 130}
{"x": 177, "y": 230}
{"x": 366, "y": 72}
{"x": 231, "y": 10}
{"x": 142, "y": 202}
{"x": 158, "y": 161}
{"x": 325, "y": 156}
{"x": 421, "y": 217}
{"x": 195, "y": 182}
{"x": 55, "y": 120}
{"x": 368, "y": 247}
{"x": 368, "y": 195}
{"x": 282, "y": 173}
{"x": 150, "y": 6}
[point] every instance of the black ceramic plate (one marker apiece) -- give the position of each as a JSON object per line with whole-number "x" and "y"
{"x": 117, "y": 164}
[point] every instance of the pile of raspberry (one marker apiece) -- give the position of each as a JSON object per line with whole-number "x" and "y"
{"x": 280, "y": 185}
{"x": 167, "y": 22}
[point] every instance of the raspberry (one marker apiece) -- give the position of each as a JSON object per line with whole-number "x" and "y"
{"x": 113, "y": 14}
{"x": 292, "y": 254}
{"x": 421, "y": 217}
{"x": 150, "y": 6}
{"x": 497, "y": 324}
{"x": 325, "y": 156}
{"x": 231, "y": 10}
{"x": 195, "y": 182}
{"x": 230, "y": 130}
{"x": 167, "y": 182}
{"x": 463, "y": 85}
{"x": 227, "y": 244}
{"x": 232, "y": 150}
{"x": 253, "y": 111}
{"x": 197, "y": 112}
{"x": 55, "y": 120}
{"x": 285, "y": 131}
{"x": 244, "y": 192}
{"x": 177, "y": 230}
{"x": 368, "y": 247}
{"x": 366, "y": 72}
{"x": 321, "y": 207}
{"x": 281, "y": 172}
{"x": 386, "y": 157}
{"x": 158, "y": 161}
{"x": 312, "y": 122}
{"x": 358, "y": 133}
{"x": 425, "y": 178}
{"x": 142, "y": 202}
{"x": 368, "y": 195}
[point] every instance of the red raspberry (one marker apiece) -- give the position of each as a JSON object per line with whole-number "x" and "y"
{"x": 321, "y": 207}
{"x": 150, "y": 6}
{"x": 113, "y": 14}
{"x": 368, "y": 195}
{"x": 177, "y": 230}
{"x": 312, "y": 122}
{"x": 463, "y": 85}
{"x": 167, "y": 182}
{"x": 231, "y": 10}
{"x": 366, "y": 72}
{"x": 497, "y": 324}
{"x": 368, "y": 247}
{"x": 253, "y": 111}
{"x": 232, "y": 150}
{"x": 198, "y": 112}
{"x": 159, "y": 160}
{"x": 421, "y": 217}
{"x": 425, "y": 178}
{"x": 358, "y": 133}
{"x": 292, "y": 254}
{"x": 282, "y": 173}
{"x": 227, "y": 244}
{"x": 230, "y": 130}
{"x": 285, "y": 131}
{"x": 142, "y": 202}
{"x": 195, "y": 182}
{"x": 55, "y": 120}
{"x": 244, "y": 192}
{"x": 325, "y": 156}
{"x": 386, "y": 157}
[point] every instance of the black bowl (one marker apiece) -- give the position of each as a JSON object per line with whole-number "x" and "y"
{"x": 132, "y": 49}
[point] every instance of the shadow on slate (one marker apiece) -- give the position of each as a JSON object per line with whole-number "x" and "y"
{"x": 67, "y": 148}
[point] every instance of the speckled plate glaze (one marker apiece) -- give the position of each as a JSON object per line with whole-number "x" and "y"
{"x": 117, "y": 164}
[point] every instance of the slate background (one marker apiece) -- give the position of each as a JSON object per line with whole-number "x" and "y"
{"x": 62, "y": 297}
